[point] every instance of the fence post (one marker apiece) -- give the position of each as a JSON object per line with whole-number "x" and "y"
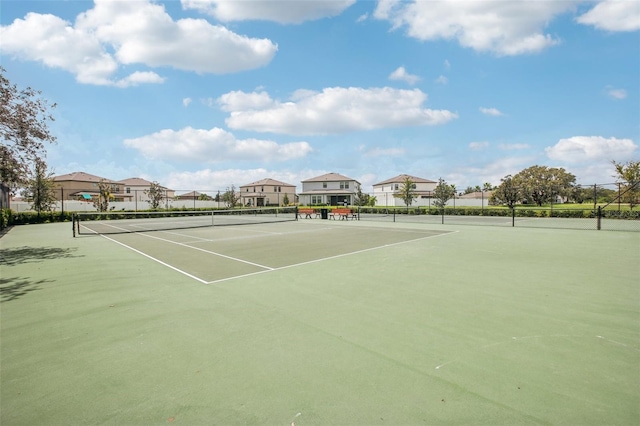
{"x": 598, "y": 222}
{"x": 513, "y": 216}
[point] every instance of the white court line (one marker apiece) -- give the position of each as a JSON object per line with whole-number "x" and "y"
{"x": 266, "y": 268}
{"x": 243, "y": 237}
{"x": 209, "y": 252}
{"x": 155, "y": 260}
{"x": 330, "y": 257}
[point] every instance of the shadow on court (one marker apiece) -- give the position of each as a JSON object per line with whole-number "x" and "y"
{"x": 25, "y": 254}
{"x": 14, "y": 288}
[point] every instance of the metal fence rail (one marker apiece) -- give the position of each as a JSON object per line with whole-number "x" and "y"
{"x": 552, "y": 217}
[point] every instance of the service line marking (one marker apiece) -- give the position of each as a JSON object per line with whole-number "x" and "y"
{"x": 156, "y": 260}
{"x": 264, "y": 267}
{"x": 295, "y": 265}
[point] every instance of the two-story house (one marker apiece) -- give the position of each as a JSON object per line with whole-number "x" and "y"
{"x": 267, "y": 192}
{"x": 138, "y": 189}
{"x": 387, "y": 191}
{"x": 84, "y": 186}
{"x": 329, "y": 189}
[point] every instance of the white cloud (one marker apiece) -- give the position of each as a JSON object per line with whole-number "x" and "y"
{"x": 447, "y": 64}
{"x": 214, "y": 180}
{"x": 442, "y": 80}
{"x": 491, "y": 111}
{"x": 401, "y": 74}
{"x": 513, "y": 146}
{"x": 281, "y": 11}
{"x": 334, "y": 110}
{"x": 502, "y": 27}
{"x": 616, "y": 93}
{"x": 238, "y": 101}
{"x": 213, "y": 146}
{"x": 613, "y": 15}
{"x": 139, "y": 77}
{"x": 577, "y": 149}
{"x": 186, "y": 102}
{"x": 57, "y": 44}
{"x": 362, "y": 17}
{"x": 132, "y": 33}
{"x": 477, "y": 146}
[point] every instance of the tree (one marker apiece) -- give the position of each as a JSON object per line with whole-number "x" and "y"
{"x": 40, "y": 188}
{"x": 104, "y": 196}
{"x": 541, "y": 184}
{"x": 487, "y": 187}
{"x": 407, "y": 191}
{"x": 285, "y": 200}
{"x": 361, "y": 199}
{"x": 155, "y": 194}
{"x": 230, "y": 197}
{"x": 24, "y": 118}
{"x": 507, "y": 193}
{"x": 630, "y": 173}
{"x": 472, "y": 189}
{"x": 442, "y": 193}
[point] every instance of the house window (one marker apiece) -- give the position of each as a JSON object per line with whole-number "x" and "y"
{"x": 275, "y": 189}
{"x": 396, "y": 186}
{"x": 324, "y": 185}
{"x": 316, "y": 199}
{"x": 128, "y": 190}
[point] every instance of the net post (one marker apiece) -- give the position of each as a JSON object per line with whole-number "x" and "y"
{"x": 296, "y": 212}
{"x": 599, "y": 219}
{"x": 513, "y": 216}
{"x": 73, "y": 224}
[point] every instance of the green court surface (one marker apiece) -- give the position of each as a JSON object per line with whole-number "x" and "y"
{"x": 320, "y": 322}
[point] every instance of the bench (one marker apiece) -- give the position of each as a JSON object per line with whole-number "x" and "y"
{"x": 343, "y": 214}
{"x": 307, "y": 213}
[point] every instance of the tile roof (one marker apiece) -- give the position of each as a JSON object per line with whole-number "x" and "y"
{"x": 402, "y": 177}
{"x": 267, "y": 181}
{"x": 80, "y": 177}
{"x": 330, "y": 177}
{"x": 135, "y": 181}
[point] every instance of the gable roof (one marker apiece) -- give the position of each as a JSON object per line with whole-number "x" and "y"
{"x": 402, "y": 177}
{"x": 80, "y": 177}
{"x": 135, "y": 181}
{"x": 330, "y": 177}
{"x": 267, "y": 181}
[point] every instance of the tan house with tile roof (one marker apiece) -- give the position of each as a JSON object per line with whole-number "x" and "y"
{"x": 84, "y": 186}
{"x": 329, "y": 189}
{"x": 137, "y": 188}
{"x": 386, "y": 192}
{"x": 267, "y": 192}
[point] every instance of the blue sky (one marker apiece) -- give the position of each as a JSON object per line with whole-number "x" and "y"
{"x": 205, "y": 94}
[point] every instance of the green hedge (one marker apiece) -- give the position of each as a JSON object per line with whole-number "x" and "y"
{"x": 9, "y": 217}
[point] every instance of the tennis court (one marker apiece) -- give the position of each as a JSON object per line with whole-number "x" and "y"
{"x": 320, "y": 322}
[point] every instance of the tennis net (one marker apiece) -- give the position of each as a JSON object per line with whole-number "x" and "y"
{"x": 127, "y": 222}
